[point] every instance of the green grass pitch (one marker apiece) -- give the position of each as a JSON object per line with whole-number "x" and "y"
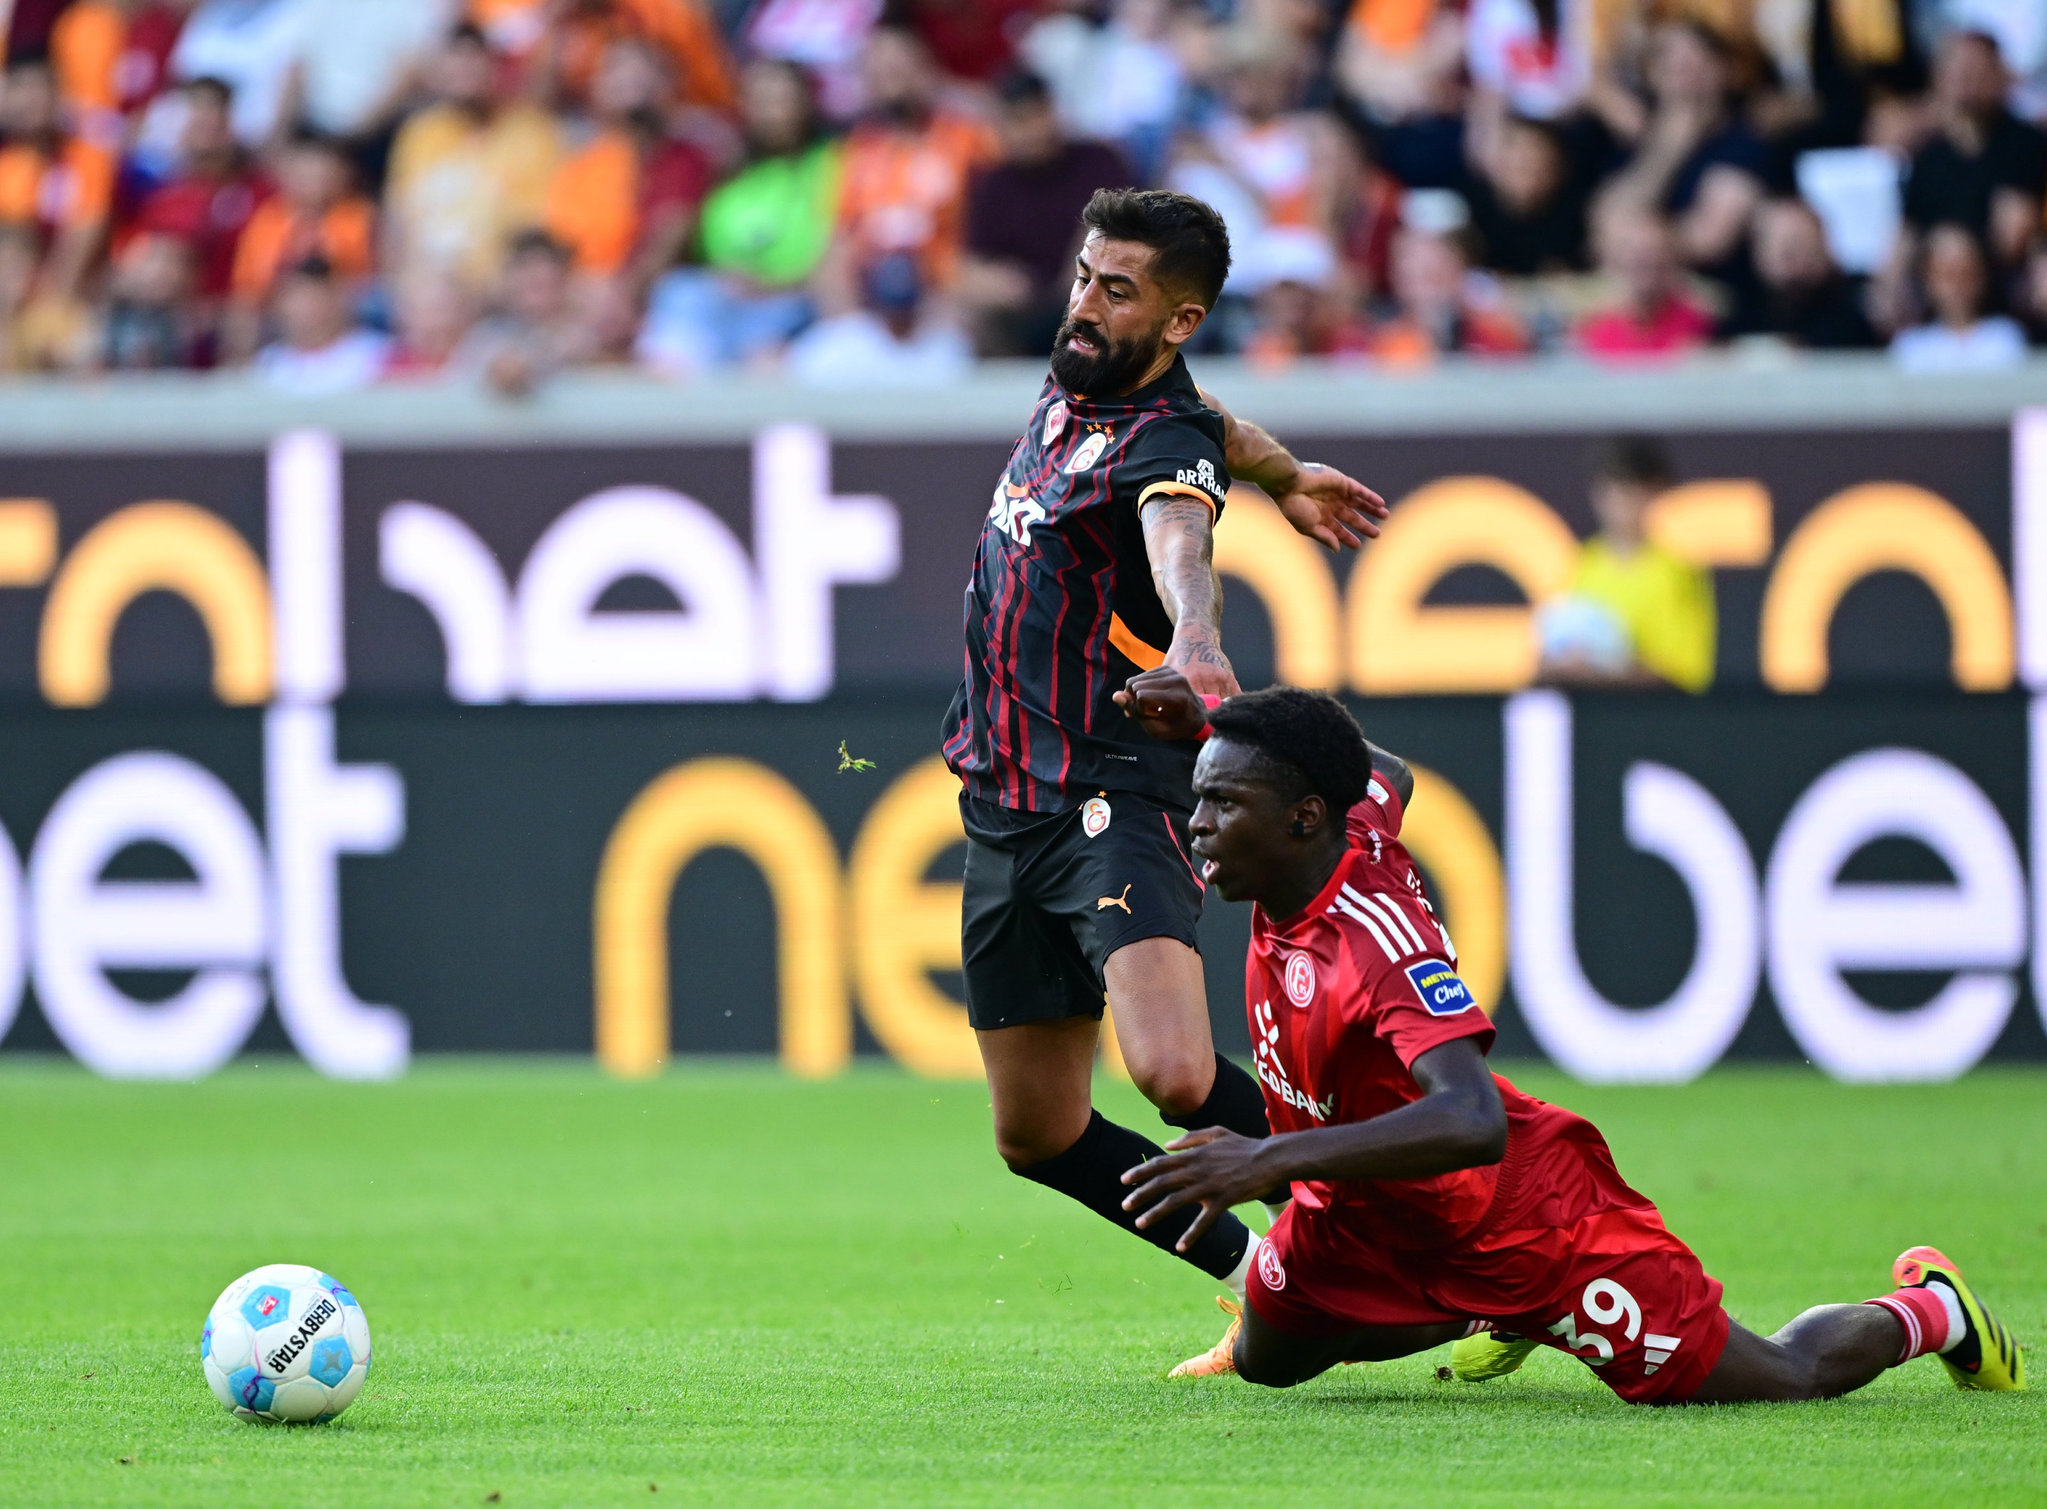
{"x": 725, "y": 1286}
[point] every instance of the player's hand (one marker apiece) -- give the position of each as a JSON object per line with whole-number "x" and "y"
{"x": 1195, "y": 654}
{"x": 1212, "y": 1168}
{"x": 1164, "y": 703}
{"x": 1325, "y": 505}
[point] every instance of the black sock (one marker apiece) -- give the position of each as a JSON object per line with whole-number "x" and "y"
{"x": 1092, "y": 1171}
{"x": 1235, "y": 1103}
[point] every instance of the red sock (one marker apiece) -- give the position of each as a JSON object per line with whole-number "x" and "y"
{"x": 1923, "y": 1316}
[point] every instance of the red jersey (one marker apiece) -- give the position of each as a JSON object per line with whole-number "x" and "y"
{"x": 1343, "y": 998}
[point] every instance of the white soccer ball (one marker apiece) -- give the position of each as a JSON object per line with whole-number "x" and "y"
{"x": 285, "y": 1342}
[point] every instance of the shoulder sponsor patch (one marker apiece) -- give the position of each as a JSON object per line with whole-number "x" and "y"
{"x": 1442, "y": 990}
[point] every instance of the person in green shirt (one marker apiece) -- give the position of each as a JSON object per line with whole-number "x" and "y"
{"x": 1634, "y": 615}
{"x": 761, "y": 235}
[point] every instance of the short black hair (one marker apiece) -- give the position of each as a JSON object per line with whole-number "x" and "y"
{"x": 1191, "y": 243}
{"x": 1021, "y": 86}
{"x": 1637, "y": 460}
{"x": 219, "y": 89}
{"x": 1312, "y": 741}
{"x": 534, "y": 241}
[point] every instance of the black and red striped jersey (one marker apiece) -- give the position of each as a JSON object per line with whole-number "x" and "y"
{"x": 1061, "y": 609}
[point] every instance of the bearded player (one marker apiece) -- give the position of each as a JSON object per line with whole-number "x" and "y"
{"x": 1433, "y": 1201}
{"x": 1095, "y": 562}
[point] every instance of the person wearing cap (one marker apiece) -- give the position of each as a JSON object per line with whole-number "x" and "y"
{"x": 895, "y": 338}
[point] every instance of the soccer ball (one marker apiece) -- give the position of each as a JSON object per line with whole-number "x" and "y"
{"x": 285, "y": 1342}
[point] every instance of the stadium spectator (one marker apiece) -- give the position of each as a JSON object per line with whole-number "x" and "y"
{"x": 250, "y": 45}
{"x": 1983, "y": 167}
{"x": 1114, "y": 73}
{"x": 112, "y": 57}
{"x": 970, "y": 39}
{"x": 1440, "y": 306}
{"x": 1962, "y": 334}
{"x": 1696, "y": 159}
{"x": 2031, "y": 294}
{"x": 321, "y": 350}
{"x": 1655, "y": 316}
{"x": 468, "y": 171}
{"x": 534, "y": 331}
{"x": 358, "y": 65}
{"x": 1279, "y": 175}
{"x": 1023, "y": 214}
{"x": 763, "y": 233}
{"x": 436, "y": 311}
{"x": 1526, "y": 208}
{"x": 897, "y": 338}
{"x": 1529, "y": 57}
{"x": 626, "y": 204}
{"x": 36, "y": 334}
{"x": 149, "y": 322}
{"x": 1402, "y": 63}
{"x": 1634, "y": 615}
{"x": 213, "y": 191}
{"x": 315, "y": 213}
{"x": 59, "y": 184}
{"x": 1800, "y": 297}
{"x": 906, "y": 168}
{"x": 827, "y": 37}
{"x": 1297, "y": 315}
{"x": 579, "y": 37}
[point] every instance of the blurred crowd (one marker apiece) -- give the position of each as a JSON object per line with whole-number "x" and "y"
{"x": 344, "y": 192}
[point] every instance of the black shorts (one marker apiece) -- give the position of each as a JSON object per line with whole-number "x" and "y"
{"x": 1049, "y": 896}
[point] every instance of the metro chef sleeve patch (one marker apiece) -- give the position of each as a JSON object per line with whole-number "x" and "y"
{"x": 1441, "y": 989}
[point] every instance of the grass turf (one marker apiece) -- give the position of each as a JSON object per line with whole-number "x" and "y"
{"x": 728, "y": 1286}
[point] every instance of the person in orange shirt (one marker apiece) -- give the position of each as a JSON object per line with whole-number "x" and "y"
{"x": 110, "y": 57}
{"x": 60, "y": 185}
{"x": 567, "y": 39}
{"x": 907, "y": 165}
{"x": 315, "y": 213}
{"x": 627, "y": 203}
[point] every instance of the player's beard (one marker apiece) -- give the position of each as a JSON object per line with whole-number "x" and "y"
{"x": 1115, "y": 366}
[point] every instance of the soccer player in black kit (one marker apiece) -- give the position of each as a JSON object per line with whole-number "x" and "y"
{"x": 1095, "y": 563}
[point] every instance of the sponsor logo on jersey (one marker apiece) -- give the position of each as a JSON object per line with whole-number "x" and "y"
{"x": 1300, "y": 979}
{"x": 1094, "y": 815}
{"x": 1088, "y": 452}
{"x": 1202, "y": 475}
{"x": 1055, "y": 421}
{"x": 1272, "y": 1074}
{"x": 1270, "y": 1271}
{"x": 1014, "y": 511}
{"x": 1441, "y": 990}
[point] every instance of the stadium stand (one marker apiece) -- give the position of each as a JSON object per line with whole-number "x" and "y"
{"x": 495, "y": 190}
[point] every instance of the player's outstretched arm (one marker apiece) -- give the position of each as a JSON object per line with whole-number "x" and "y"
{"x": 1458, "y": 1123}
{"x": 1391, "y": 769}
{"x": 1179, "y": 539}
{"x": 1319, "y": 501}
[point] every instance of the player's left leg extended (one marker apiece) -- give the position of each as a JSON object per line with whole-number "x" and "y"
{"x": 1262, "y": 1353}
{"x": 1835, "y": 1349}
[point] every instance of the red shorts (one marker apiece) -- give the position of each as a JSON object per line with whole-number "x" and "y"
{"x": 1567, "y": 1255}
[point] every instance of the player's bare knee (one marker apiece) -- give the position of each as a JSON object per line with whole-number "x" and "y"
{"x": 1178, "y": 1084}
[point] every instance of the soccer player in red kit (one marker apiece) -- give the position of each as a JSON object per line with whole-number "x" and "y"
{"x": 1432, "y": 1199}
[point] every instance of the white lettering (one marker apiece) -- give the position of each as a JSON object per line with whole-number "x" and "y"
{"x": 213, "y": 924}
{"x": 437, "y": 558}
{"x": 1667, "y": 814}
{"x": 1820, "y": 926}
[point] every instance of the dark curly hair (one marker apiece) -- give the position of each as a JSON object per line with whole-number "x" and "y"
{"x": 1309, "y": 738}
{"x": 1189, "y": 242}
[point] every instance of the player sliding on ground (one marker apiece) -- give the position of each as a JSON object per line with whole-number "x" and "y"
{"x": 1095, "y": 562}
{"x": 1432, "y": 1200}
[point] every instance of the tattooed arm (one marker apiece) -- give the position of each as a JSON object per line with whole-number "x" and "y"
{"x": 1179, "y": 537}
{"x": 1319, "y": 501}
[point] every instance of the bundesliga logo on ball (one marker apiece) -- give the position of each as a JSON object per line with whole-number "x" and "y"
{"x": 285, "y": 1343}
